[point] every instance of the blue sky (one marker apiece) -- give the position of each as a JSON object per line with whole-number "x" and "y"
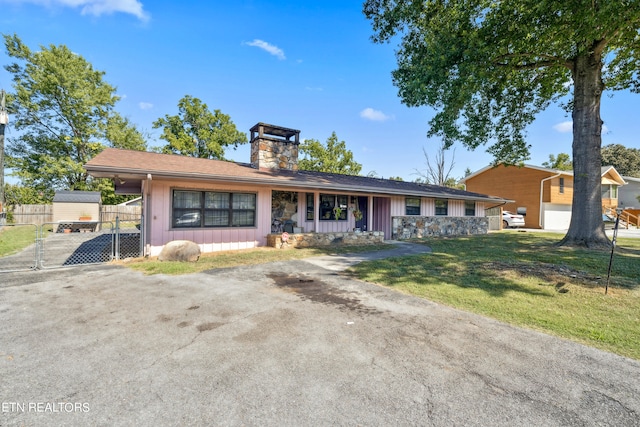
{"x": 306, "y": 65}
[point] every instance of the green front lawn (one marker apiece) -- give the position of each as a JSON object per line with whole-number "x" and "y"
{"x": 15, "y": 238}
{"x": 523, "y": 279}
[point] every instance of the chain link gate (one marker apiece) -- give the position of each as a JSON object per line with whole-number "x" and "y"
{"x": 27, "y": 258}
{"x": 74, "y": 243}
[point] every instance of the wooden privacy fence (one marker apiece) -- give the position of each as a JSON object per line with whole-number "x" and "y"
{"x": 31, "y": 214}
{"x": 40, "y": 214}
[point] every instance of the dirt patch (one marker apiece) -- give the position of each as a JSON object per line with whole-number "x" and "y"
{"x": 314, "y": 290}
{"x": 556, "y": 275}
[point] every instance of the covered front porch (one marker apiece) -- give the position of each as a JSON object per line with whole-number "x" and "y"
{"x": 301, "y": 212}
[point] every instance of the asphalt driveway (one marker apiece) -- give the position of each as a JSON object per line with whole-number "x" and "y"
{"x": 293, "y": 343}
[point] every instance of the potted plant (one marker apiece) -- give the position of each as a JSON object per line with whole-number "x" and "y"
{"x": 84, "y": 216}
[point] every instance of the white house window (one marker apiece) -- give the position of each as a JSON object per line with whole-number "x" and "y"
{"x": 469, "y": 208}
{"x": 328, "y": 203}
{"x": 442, "y": 207}
{"x": 196, "y": 209}
{"x": 609, "y": 191}
{"x": 412, "y": 206}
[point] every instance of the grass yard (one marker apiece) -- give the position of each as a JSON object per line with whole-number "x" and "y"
{"x": 525, "y": 280}
{"x": 242, "y": 257}
{"x": 15, "y": 238}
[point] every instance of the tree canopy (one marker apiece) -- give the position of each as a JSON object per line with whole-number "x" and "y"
{"x": 562, "y": 162}
{"x": 489, "y": 67}
{"x": 197, "y": 132}
{"x": 625, "y": 160}
{"x": 333, "y": 157}
{"x": 63, "y": 112}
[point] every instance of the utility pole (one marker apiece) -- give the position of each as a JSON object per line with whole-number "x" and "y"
{"x": 4, "y": 119}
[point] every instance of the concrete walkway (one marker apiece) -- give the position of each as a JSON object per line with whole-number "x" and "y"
{"x": 342, "y": 262}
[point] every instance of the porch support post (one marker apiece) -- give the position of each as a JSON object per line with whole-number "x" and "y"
{"x": 316, "y": 211}
{"x": 370, "y": 213}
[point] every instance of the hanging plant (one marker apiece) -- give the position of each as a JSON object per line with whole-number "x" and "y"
{"x": 357, "y": 214}
{"x": 337, "y": 212}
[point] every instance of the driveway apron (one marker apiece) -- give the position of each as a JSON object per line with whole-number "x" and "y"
{"x": 285, "y": 343}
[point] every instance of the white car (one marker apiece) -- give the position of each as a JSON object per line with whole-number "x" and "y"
{"x": 509, "y": 219}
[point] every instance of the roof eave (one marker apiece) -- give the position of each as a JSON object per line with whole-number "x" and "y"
{"x": 112, "y": 172}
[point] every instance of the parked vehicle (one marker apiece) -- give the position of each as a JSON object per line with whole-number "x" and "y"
{"x": 189, "y": 220}
{"x": 509, "y": 219}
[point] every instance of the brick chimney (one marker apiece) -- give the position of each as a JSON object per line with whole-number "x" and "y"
{"x": 272, "y": 147}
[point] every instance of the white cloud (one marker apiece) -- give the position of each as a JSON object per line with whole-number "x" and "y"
{"x": 566, "y": 127}
{"x": 97, "y": 7}
{"x": 375, "y": 115}
{"x": 273, "y": 50}
{"x": 145, "y": 105}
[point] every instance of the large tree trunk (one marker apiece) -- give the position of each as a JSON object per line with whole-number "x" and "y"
{"x": 587, "y": 227}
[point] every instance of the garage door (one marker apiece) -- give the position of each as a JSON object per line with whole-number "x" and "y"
{"x": 555, "y": 216}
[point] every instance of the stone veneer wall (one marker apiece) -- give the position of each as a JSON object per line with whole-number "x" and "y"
{"x": 406, "y": 227}
{"x": 274, "y": 154}
{"x": 308, "y": 240}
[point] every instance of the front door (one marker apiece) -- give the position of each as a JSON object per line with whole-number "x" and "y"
{"x": 363, "y": 204}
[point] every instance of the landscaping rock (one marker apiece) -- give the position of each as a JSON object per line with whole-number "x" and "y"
{"x": 180, "y": 250}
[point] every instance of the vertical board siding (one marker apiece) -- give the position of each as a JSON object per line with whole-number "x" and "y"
{"x": 398, "y": 205}
{"x": 209, "y": 239}
{"x": 428, "y": 207}
{"x": 456, "y": 208}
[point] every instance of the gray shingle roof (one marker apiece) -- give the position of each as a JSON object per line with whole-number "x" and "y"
{"x": 77, "y": 197}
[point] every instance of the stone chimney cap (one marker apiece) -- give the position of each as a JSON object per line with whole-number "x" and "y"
{"x": 264, "y": 128}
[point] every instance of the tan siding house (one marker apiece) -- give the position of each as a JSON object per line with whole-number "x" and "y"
{"x": 544, "y": 196}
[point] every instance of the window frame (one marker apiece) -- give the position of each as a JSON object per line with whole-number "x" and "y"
{"x": 561, "y": 185}
{"x": 310, "y": 206}
{"x": 236, "y": 207}
{"x": 328, "y": 203}
{"x": 467, "y": 209}
{"x": 410, "y": 210}
{"x": 439, "y": 210}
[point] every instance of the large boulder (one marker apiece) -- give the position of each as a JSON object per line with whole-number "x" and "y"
{"x": 180, "y": 250}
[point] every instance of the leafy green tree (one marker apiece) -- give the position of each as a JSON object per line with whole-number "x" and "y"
{"x": 332, "y": 157}
{"x": 625, "y": 160}
{"x": 490, "y": 66}
{"x": 562, "y": 162}
{"x": 197, "y": 132}
{"x": 20, "y": 195}
{"x": 121, "y": 133}
{"x": 63, "y": 112}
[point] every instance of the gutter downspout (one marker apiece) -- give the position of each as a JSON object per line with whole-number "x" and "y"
{"x": 541, "y": 192}
{"x": 147, "y": 212}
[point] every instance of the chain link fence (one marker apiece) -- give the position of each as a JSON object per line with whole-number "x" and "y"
{"x": 66, "y": 244}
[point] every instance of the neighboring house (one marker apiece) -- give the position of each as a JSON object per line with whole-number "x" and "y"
{"x": 225, "y": 205}
{"x": 544, "y": 196}
{"x": 628, "y": 195}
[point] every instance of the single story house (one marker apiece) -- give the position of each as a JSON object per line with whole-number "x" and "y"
{"x": 544, "y": 196}
{"x": 223, "y": 205}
